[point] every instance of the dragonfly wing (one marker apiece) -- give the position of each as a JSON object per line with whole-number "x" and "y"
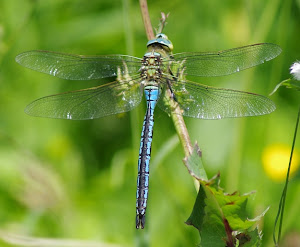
{"x": 78, "y": 67}
{"x": 112, "y": 98}
{"x": 201, "y": 101}
{"x": 224, "y": 62}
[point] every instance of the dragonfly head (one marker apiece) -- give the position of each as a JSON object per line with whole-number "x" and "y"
{"x": 162, "y": 40}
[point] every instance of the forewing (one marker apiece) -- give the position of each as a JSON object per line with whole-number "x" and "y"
{"x": 78, "y": 67}
{"x": 112, "y": 98}
{"x": 223, "y": 62}
{"x": 201, "y": 101}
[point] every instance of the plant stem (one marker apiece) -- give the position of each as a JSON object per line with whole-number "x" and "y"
{"x": 283, "y": 196}
{"x": 146, "y": 19}
{"x": 182, "y": 131}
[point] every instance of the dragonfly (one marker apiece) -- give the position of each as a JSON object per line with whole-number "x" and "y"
{"x": 161, "y": 76}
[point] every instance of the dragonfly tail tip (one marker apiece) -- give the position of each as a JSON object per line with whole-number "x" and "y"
{"x": 140, "y": 221}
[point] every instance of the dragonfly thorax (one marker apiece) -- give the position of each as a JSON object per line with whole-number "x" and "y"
{"x": 151, "y": 66}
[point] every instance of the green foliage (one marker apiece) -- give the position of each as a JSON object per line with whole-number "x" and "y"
{"x": 221, "y": 218}
{"x": 194, "y": 164}
{"x": 288, "y": 83}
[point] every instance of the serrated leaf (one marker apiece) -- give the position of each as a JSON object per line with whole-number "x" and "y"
{"x": 194, "y": 164}
{"x": 249, "y": 239}
{"x": 219, "y": 216}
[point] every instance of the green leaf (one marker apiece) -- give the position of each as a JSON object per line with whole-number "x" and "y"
{"x": 249, "y": 239}
{"x": 221, "y": 218}
{"x": 288, "y": 83}
{"x": 194, "y": 164}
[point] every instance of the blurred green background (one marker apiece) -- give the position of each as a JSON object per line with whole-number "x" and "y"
{"x": 77, "y": 179}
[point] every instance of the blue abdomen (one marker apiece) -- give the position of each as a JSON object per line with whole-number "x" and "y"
{"x": 152, "y": 95}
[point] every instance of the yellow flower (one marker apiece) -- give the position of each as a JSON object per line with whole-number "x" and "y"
{"x": 275, "y": 159}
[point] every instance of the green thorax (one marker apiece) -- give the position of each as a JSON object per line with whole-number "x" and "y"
{"x": 152, "y": 66}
